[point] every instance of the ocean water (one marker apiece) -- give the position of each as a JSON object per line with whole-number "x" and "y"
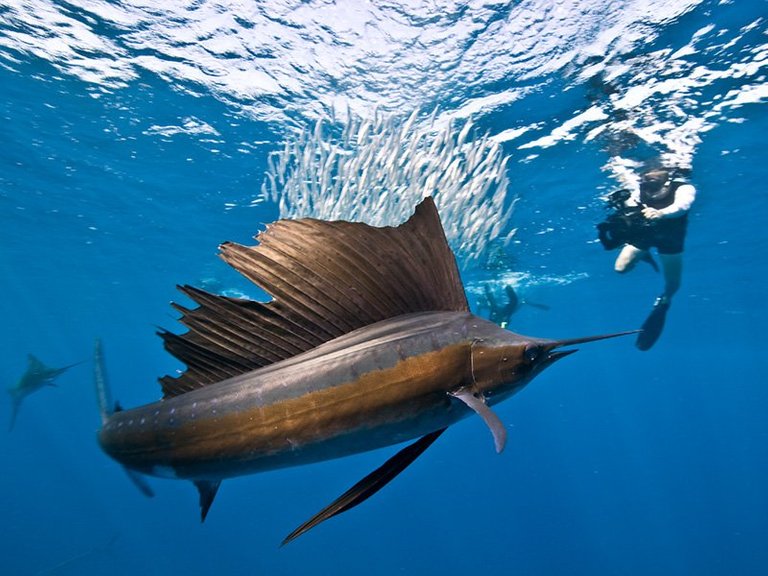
{"x": 137, "y": 136}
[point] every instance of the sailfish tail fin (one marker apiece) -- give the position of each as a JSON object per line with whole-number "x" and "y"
{"x": 107, "y": 408}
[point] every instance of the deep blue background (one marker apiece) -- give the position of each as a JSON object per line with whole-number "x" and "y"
{"x": 618, "y": 462}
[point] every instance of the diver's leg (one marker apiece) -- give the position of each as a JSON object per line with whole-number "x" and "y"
{"x": 627, "y": 258}
{"x": 672, "y": 264}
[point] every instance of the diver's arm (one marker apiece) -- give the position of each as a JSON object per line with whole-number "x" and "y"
{"x": 684, "y": 197}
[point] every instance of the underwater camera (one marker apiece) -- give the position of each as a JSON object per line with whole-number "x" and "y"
{"x": 617, "y": 198}
{"x": 624, "y": 224}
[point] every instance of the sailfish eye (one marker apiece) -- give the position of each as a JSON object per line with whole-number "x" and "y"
{"x": 532, "y": 353}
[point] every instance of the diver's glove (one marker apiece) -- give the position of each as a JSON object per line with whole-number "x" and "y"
{"x": 652, "y": 213}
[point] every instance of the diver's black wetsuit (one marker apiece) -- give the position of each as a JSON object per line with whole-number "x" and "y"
{"x": 628, "y": 226}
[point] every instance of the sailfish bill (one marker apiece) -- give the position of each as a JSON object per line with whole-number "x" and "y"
{"x": 367, "y": 342}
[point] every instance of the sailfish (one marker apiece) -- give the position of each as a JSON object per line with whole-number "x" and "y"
{"x": 35, "y": 377}
{"x": 367, "y": 342}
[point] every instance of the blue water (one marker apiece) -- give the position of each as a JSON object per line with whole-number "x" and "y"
{"x": 618, "y": 462}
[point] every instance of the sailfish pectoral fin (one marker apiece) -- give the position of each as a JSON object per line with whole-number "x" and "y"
{"x": 477, "y": 403}
{"x": 369, "y": 485}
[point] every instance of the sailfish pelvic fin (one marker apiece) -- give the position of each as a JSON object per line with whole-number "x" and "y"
{"x": 369, "y": 485}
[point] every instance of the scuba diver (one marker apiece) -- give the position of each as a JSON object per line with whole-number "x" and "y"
{"x": 654, "y": 215}
{"x": 501, "y": 313}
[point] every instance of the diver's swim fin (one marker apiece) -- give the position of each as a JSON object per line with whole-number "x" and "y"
{"x": 653, "y": 325}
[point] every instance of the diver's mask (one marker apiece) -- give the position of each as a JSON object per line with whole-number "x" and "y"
{"x": 655, "y": 186}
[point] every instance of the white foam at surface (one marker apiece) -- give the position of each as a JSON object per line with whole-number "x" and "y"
{"x": 390, "y": 56}
{"x": 295, "y": 61}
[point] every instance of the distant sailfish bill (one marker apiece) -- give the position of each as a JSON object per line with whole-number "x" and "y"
{"x": 368, "y": 342}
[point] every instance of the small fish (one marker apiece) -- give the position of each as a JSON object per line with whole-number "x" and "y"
{"x": 36, "y": 377}
{"x": 367, "y": 343}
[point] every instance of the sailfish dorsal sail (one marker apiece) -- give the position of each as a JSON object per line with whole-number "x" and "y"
{"x": 326, "y": 279}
